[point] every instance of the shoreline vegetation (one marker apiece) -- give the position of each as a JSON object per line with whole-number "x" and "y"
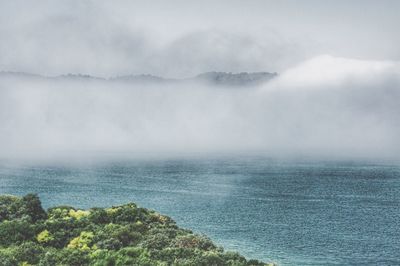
{"x": 119, "y": 235}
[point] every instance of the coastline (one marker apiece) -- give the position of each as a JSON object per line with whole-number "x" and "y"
{"x": 119, "y": 235}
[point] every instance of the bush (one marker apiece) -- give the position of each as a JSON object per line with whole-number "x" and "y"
{"x": 156, "y": 242}
{"x": 83, "y": 241}
{"x": 73, "y": 257}
{"x": 8, "y": 257}
{"x": 9, "y": 206}
{"x": 33, "y": 207}
{"x": 28, "y": 207}
{"x": 29, "y": 252}
{"x": 194, "y": 241}
{"x": 15, "y": 232}
{"x": 98, "y": 216}
{"x": 44, "y": 237}
{"x": 122, "y": 235}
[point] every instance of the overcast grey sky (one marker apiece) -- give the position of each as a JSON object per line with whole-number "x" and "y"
{"x": 336, "y": 94}
{"x": 180, "y": 38}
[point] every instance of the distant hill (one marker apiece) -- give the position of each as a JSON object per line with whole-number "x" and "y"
{"x": 212, "y": 78}
{"x": 239, "y": 79}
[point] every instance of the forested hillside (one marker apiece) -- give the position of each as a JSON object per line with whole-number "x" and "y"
{"x": 121, "y": 235}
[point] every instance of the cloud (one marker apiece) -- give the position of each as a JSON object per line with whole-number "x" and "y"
{"x": 340, "y": 106}
{"x": 180, "y": 38}
{"x": 72, "y": 42}
{"x": 202, "y": 51}
{"x": 325, "y": 106}
{"x": 329, "y": 70}
{"x": 80, "y": 37}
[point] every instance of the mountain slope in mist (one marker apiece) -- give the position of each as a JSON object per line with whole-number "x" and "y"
{"x": 210, "y": 78}
{"x": 324, "y": 106}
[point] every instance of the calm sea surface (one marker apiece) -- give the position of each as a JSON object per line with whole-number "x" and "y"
{"x": 304, "y": 213}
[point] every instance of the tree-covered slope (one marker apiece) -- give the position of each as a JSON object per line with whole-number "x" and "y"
{"x": 122, "y": 235}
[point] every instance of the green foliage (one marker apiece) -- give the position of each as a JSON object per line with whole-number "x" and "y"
{"x": 28, "y": 207}
{"x": 194, "y": 241}
{"x": 79, "y": 214}
{"x": 9, "y": 206}
{"x": 33, "y": 207}
{"x": 82, "y": 241}
{"x": 44, "y": 237}
{"x": 29, "y": 252}
{"x": 15, "y": 232}
{"x": 121, "y": 235}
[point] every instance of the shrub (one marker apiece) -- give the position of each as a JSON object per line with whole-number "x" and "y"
{"x": 109, "y": 244}
{"x": 33, "y": 207}
{"x": 9, "y": 206}
{"x": 102, "y": 257}
{"x": 194, "y": 241}
{"x": 73, "y": 257}
{"x": 15, "y": 232}
{"x": 7, "y": 257}
{"x": 210, "y": 258}
{"x": 29, "y": 252}
{"x": 156, "y": 242}
{"x": 61, "y": 212}
{"x": 98, "y": 216}
{"x": 82, "y": 241}
{"x": 123, "y": 235}
{"x": 44, "y": 237}
{"x": 79, "y": 214}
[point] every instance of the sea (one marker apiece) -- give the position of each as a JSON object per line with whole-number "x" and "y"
{"x": 291, "y": 212}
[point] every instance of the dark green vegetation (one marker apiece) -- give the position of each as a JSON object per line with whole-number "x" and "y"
{"x": 122, "y": 235}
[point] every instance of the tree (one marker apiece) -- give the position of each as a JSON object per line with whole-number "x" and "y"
{"x": 33, "y": 207}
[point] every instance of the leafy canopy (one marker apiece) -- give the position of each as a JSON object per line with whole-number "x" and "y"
{"x": 121, "y": 235}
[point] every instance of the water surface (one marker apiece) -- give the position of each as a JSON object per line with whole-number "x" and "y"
{"x": 305, "y": 213}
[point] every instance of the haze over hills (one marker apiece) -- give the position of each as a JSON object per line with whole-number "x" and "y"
{"x": 238, "y": 79}
{"x": 324, "y": 106}
{"x": 209, "y": 78}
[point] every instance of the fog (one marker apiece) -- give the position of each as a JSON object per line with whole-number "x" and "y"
{"x": 336, "y": 94}
{"x": 325, "y": 106}
{"x": 179, "y": 38}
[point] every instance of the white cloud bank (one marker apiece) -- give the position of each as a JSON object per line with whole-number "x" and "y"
{"x": 103, "y": 39}
{"x": 325, "y": 106}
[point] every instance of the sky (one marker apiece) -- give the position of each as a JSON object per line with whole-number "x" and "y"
{"x": 179, "y": 38}
{"x": 336, "y": 94}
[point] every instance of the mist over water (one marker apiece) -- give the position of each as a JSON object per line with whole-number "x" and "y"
{"x": 325, "y": 106}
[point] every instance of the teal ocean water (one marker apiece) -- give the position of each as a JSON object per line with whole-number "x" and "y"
{"x": 292, "y": 213}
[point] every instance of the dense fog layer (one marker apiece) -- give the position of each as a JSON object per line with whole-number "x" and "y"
{"x": 325, "y": 106}
{"x": 180, "y": 38}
